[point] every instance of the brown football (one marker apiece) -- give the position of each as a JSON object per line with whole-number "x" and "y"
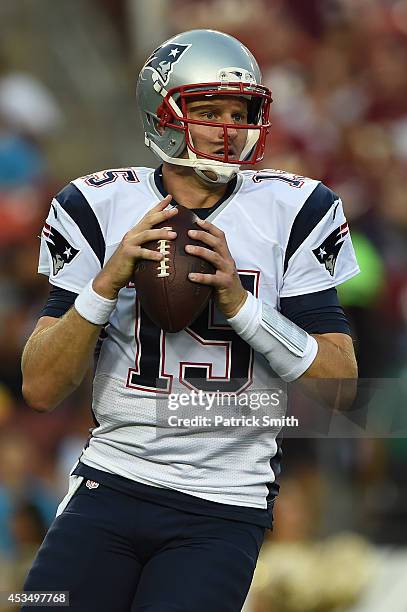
{"x": 167, "y": 295}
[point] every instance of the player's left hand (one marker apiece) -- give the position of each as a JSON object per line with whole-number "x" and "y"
{"x": 230, "y": 294}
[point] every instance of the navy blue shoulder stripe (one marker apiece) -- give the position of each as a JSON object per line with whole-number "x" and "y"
{"x": 78, "y": 208}
{"x": 313, "y": 210}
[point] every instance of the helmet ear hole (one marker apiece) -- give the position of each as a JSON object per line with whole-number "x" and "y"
{"x": 154, "y": 124}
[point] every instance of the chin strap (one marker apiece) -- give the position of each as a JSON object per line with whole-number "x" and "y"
{"x": 223, "y": 173}
{"x": 221, "y": 178}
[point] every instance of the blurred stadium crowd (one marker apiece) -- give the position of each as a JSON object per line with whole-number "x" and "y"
{"x": 337, "y": 69}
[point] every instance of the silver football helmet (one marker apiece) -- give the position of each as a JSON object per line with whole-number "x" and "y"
{"x": 195, "y": 64}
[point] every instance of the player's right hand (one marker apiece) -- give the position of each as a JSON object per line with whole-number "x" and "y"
{"x": 117, "y": 272}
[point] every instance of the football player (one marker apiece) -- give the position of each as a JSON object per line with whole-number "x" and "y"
{"x": 161, "y": 519}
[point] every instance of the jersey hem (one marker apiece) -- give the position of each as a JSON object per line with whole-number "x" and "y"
{"x": 212, "y": 497}
{"x": 65, "y": 286}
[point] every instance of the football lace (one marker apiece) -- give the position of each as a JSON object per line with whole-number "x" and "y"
{"x": 164, "y": 249}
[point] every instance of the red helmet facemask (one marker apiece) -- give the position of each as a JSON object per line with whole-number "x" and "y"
{"x": 173, "y": 113}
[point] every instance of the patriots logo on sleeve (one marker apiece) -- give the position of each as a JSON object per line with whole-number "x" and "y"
{"x": 163, "y": 59}
{"x": 60, "y": 250}
{"x": 327, "y": 252}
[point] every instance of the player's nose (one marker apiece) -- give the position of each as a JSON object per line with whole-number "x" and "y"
{"x": 232, "y": 133}
{"x": 231, "y": 130}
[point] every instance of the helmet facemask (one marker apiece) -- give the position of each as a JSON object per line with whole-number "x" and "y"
{"x": 172, "y": 117}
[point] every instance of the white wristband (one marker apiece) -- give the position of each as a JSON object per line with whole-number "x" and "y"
{"x": 289, "y": 349}
{"x": 94, "y": 307}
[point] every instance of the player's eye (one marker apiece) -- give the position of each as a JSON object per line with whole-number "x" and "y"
{"x": 239, "y": 118}
{"x": 208, "y": 115}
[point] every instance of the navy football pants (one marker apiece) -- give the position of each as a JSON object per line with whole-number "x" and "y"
{"x": 116, "y": 553}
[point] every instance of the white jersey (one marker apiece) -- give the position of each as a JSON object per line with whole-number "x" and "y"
{"x": 288, "y": 236}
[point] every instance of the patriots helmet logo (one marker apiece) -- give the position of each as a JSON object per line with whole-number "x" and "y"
{"x": 162, "y": 60}
{"x": 61, "y": 251}
{"x": 327, "y": 252}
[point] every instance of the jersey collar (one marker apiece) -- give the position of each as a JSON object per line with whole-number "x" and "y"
{"x": 203, "y": 213}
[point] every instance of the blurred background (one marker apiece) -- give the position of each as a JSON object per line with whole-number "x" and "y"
{"x": 338, "y": 72}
